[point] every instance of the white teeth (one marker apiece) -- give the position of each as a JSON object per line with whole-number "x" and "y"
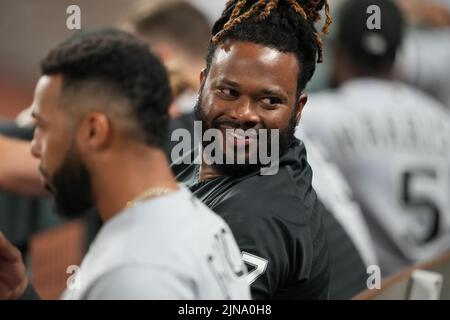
{"x": 241, "y": 134}
{"x": 238, "y": 136}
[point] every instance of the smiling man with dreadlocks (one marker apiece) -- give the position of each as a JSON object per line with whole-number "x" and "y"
{"x": 261, "y": 56}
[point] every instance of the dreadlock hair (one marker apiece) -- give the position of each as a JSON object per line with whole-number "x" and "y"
{"x": 285, "y": 25}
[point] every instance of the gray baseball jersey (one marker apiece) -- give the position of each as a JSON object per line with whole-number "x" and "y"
{"x": 170, "y": 247}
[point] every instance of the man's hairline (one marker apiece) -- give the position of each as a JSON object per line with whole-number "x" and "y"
{"x": 126, "y": 120}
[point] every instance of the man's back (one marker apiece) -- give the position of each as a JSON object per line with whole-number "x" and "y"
{"x": 171, "y": 247}
{"x": 391, "y": 142}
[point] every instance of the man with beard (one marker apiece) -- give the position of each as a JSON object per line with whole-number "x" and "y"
{"x": 101, "y": 110}
{"x": 261, "y": 56}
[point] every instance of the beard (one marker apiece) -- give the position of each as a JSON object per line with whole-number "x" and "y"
{"x": 286, "y": 139}
{"x": 71, "y": 186}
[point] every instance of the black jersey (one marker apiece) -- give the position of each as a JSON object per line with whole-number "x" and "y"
{"x": 277, "y": 225}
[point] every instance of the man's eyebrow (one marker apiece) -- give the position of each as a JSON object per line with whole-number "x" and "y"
{"x": 229, "y": 82}
{"x": 274, "y": 92}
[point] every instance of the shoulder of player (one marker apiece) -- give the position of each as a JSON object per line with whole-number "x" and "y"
{"x": 321, "y": 109}
{"x": 188, "y": 221}
{"x": 265, "y": 200}
{"x": 423, "y": 100}
{"x": 326, "y": 99}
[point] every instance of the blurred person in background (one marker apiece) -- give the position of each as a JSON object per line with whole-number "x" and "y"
{"x": 101, "y": 110}
{"x": 391, "y": 141}
{"x": 337, "y": 196}
{"x": 18, "y": 169}
{"x": 179, "y": 33}
{"x": 425, "y": 56}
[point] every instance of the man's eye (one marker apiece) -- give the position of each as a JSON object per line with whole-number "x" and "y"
{"x": 228, "y": 92}
{"x": 272, "y": 101}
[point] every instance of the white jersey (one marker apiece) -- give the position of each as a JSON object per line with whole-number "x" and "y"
{"x": 392, "y": 143}
{"x": 170, "y": 247}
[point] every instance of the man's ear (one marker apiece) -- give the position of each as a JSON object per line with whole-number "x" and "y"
{"x": 301, "y": 102}
{"x": 95, "y": 131}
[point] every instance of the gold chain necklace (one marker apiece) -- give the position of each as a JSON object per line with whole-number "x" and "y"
{"x": 149, "y": 193}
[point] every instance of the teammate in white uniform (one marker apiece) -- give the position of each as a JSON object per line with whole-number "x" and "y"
{"x": 390, "y": 141}
{"x": 101, "y": 110}
{"x": 171, "y": 247}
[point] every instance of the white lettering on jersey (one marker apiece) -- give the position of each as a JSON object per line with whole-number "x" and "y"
{"x": 225, "y": 261}
{"x": 259, "y": 264}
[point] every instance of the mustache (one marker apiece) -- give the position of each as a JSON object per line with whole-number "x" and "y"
{"x": 234, "y": 124}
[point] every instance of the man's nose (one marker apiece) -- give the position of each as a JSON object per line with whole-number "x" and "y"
{"x": 246, "y": 113}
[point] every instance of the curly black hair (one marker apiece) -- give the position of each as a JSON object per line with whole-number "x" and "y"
{"x": 285, "y": 25}
{"x": 118, "y": 61}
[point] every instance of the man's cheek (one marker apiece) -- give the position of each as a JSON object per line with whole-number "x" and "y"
{"x": 212, "y": 106}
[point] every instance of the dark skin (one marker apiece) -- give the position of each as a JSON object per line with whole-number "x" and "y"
{"x": 249, "y": 86}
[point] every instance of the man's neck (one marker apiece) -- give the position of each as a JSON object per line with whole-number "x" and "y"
{"x": 126, "y": 175}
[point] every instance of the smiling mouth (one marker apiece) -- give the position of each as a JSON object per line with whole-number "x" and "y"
{"x": 237, "y": 136}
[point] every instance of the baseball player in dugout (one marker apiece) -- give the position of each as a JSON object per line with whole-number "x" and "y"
{"x": 374, "y": 125}
{"x": 101, "y": 110}
{"x": 261, "y": 56}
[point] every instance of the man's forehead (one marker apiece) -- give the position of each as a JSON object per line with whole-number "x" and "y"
{"x": 232, "y": 51}
{"x": 246, "y": 62}
{"x": 47, "y": 92}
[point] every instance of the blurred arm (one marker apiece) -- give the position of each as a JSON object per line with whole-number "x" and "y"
{"x": 425, "y": 13}
{"x": 18, "y": 168}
